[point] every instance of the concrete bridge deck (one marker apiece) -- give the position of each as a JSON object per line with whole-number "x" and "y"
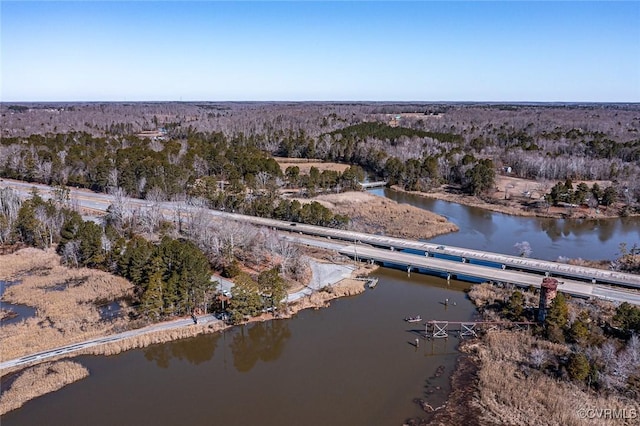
{"x": 522, "y": 279}
{"x": 595, "y": 276}
{"x": 370, "y": 185}
{"x": 556, "y": 269}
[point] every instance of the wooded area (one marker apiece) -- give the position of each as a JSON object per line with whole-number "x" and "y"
{"x": 221, "y": 156}
{"x": 416, "y": 145}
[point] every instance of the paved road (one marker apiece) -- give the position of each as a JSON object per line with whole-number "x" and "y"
{"x": 323, "y": 274}
{"x": 69, "y": 349}
{"x": 100, "y": 202}
{"x": 576, "y": 288}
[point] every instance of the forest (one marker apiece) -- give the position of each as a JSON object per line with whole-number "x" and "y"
{"x": 221, "y": 156}
{"x": 419, "y": 146}
{"x": 171, "y": 270}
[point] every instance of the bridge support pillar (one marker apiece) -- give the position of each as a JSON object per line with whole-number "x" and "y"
{"x": 439, "y": 329}
{"x": 468, "y": 329}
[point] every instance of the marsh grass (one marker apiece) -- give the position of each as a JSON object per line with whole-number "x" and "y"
{"x": 370, "y": 213}
{"x": 510, "y": 391}
{"x": 65, "y": 301}
{"x": 40, "y": 380}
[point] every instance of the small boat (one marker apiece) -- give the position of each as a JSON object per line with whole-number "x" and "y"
{"x": 417, "y": 318}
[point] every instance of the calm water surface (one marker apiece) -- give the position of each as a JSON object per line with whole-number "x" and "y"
{"x": 549, "y": 238}
{"x": 23, "y": 311}
{"x": 350, "y": 364}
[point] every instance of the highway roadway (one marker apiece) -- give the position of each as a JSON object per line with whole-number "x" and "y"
{"x": 334, "y": 239}
{"x": 513, "y": 264}
{"x": 523, "y": 279}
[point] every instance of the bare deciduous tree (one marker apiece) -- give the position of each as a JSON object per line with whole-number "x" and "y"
{"x": 523, "y": 248}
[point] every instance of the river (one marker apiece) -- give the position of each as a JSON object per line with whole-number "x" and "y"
{"x": 549, "y": 238}
{"x": 353, "y": 363}
{"x": 350, "y": 364}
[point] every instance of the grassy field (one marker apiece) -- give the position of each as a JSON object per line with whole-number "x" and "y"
{"x": 305, "y": 165}
{"x": 511, "y": 394}
{"x": 511, "y": 383}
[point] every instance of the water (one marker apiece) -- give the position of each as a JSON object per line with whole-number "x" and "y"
{"x": 23, "y": 311}
{"x": 353, "y": 363}
{"x": 549, "y": 238}
{"x": 350, "y": 364}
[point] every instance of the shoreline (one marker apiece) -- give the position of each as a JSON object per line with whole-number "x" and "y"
{"x": 459, "y": 407}
{"x": 373, "y": 214}
{"x": 13, "y": 398}
{"x": 473, "y": 201}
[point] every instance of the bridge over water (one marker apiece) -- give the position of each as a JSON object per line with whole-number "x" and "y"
{"x": 456, "y": 258}
{"x": 474, "y": 272}
{"x": 370, "y": 185}
{"x": 459, "y": 254}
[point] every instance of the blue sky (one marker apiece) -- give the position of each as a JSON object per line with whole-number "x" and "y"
{"x": 398, "y": 51}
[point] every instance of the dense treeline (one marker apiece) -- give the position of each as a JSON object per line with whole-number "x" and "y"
{"x": 428, "y": 145}
{"x": 171, "y": 277}
{"x": 233, "y": 175}
{"x": 381, "y": 131}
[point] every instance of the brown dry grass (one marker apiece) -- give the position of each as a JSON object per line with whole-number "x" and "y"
{"x": 40, "y": 380}
{"x": 57, "y": 374}
{"x": 320, "y": 299}
{"x": 153, "y": 338}
{"x": 64, "y": 301}
{"x": 510, "y": 394}
{"x": 515, "y": 186}
{"x": 373, "y": 214}
{"x": 346, "y": 287}
{"x": 305, "y": 165}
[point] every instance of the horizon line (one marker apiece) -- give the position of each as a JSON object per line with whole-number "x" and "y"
{"x": 3, "y": 102}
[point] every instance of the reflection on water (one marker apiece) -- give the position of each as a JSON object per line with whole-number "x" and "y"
{"x": 195, "y": 351}
{"x": 354, "y": 363}
{"x": 262, "y": 341}
{"x": 549, "y": 238}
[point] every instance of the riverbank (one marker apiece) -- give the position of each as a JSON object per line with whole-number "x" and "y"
{"x": 518, "y": 377}
{"x": 460, "y": 407}
{"x": 378, "y": 215}
{"x": 40, "y": 380}
{"x": 514, "y": 205}
{"x": 33, "y": 333}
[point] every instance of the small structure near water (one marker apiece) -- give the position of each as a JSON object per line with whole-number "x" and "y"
{"x": 548, "y": 292}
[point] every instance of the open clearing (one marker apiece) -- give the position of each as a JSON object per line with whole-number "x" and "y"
{"x": 517, "y": 196}
{"x": 305, "y": 165}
